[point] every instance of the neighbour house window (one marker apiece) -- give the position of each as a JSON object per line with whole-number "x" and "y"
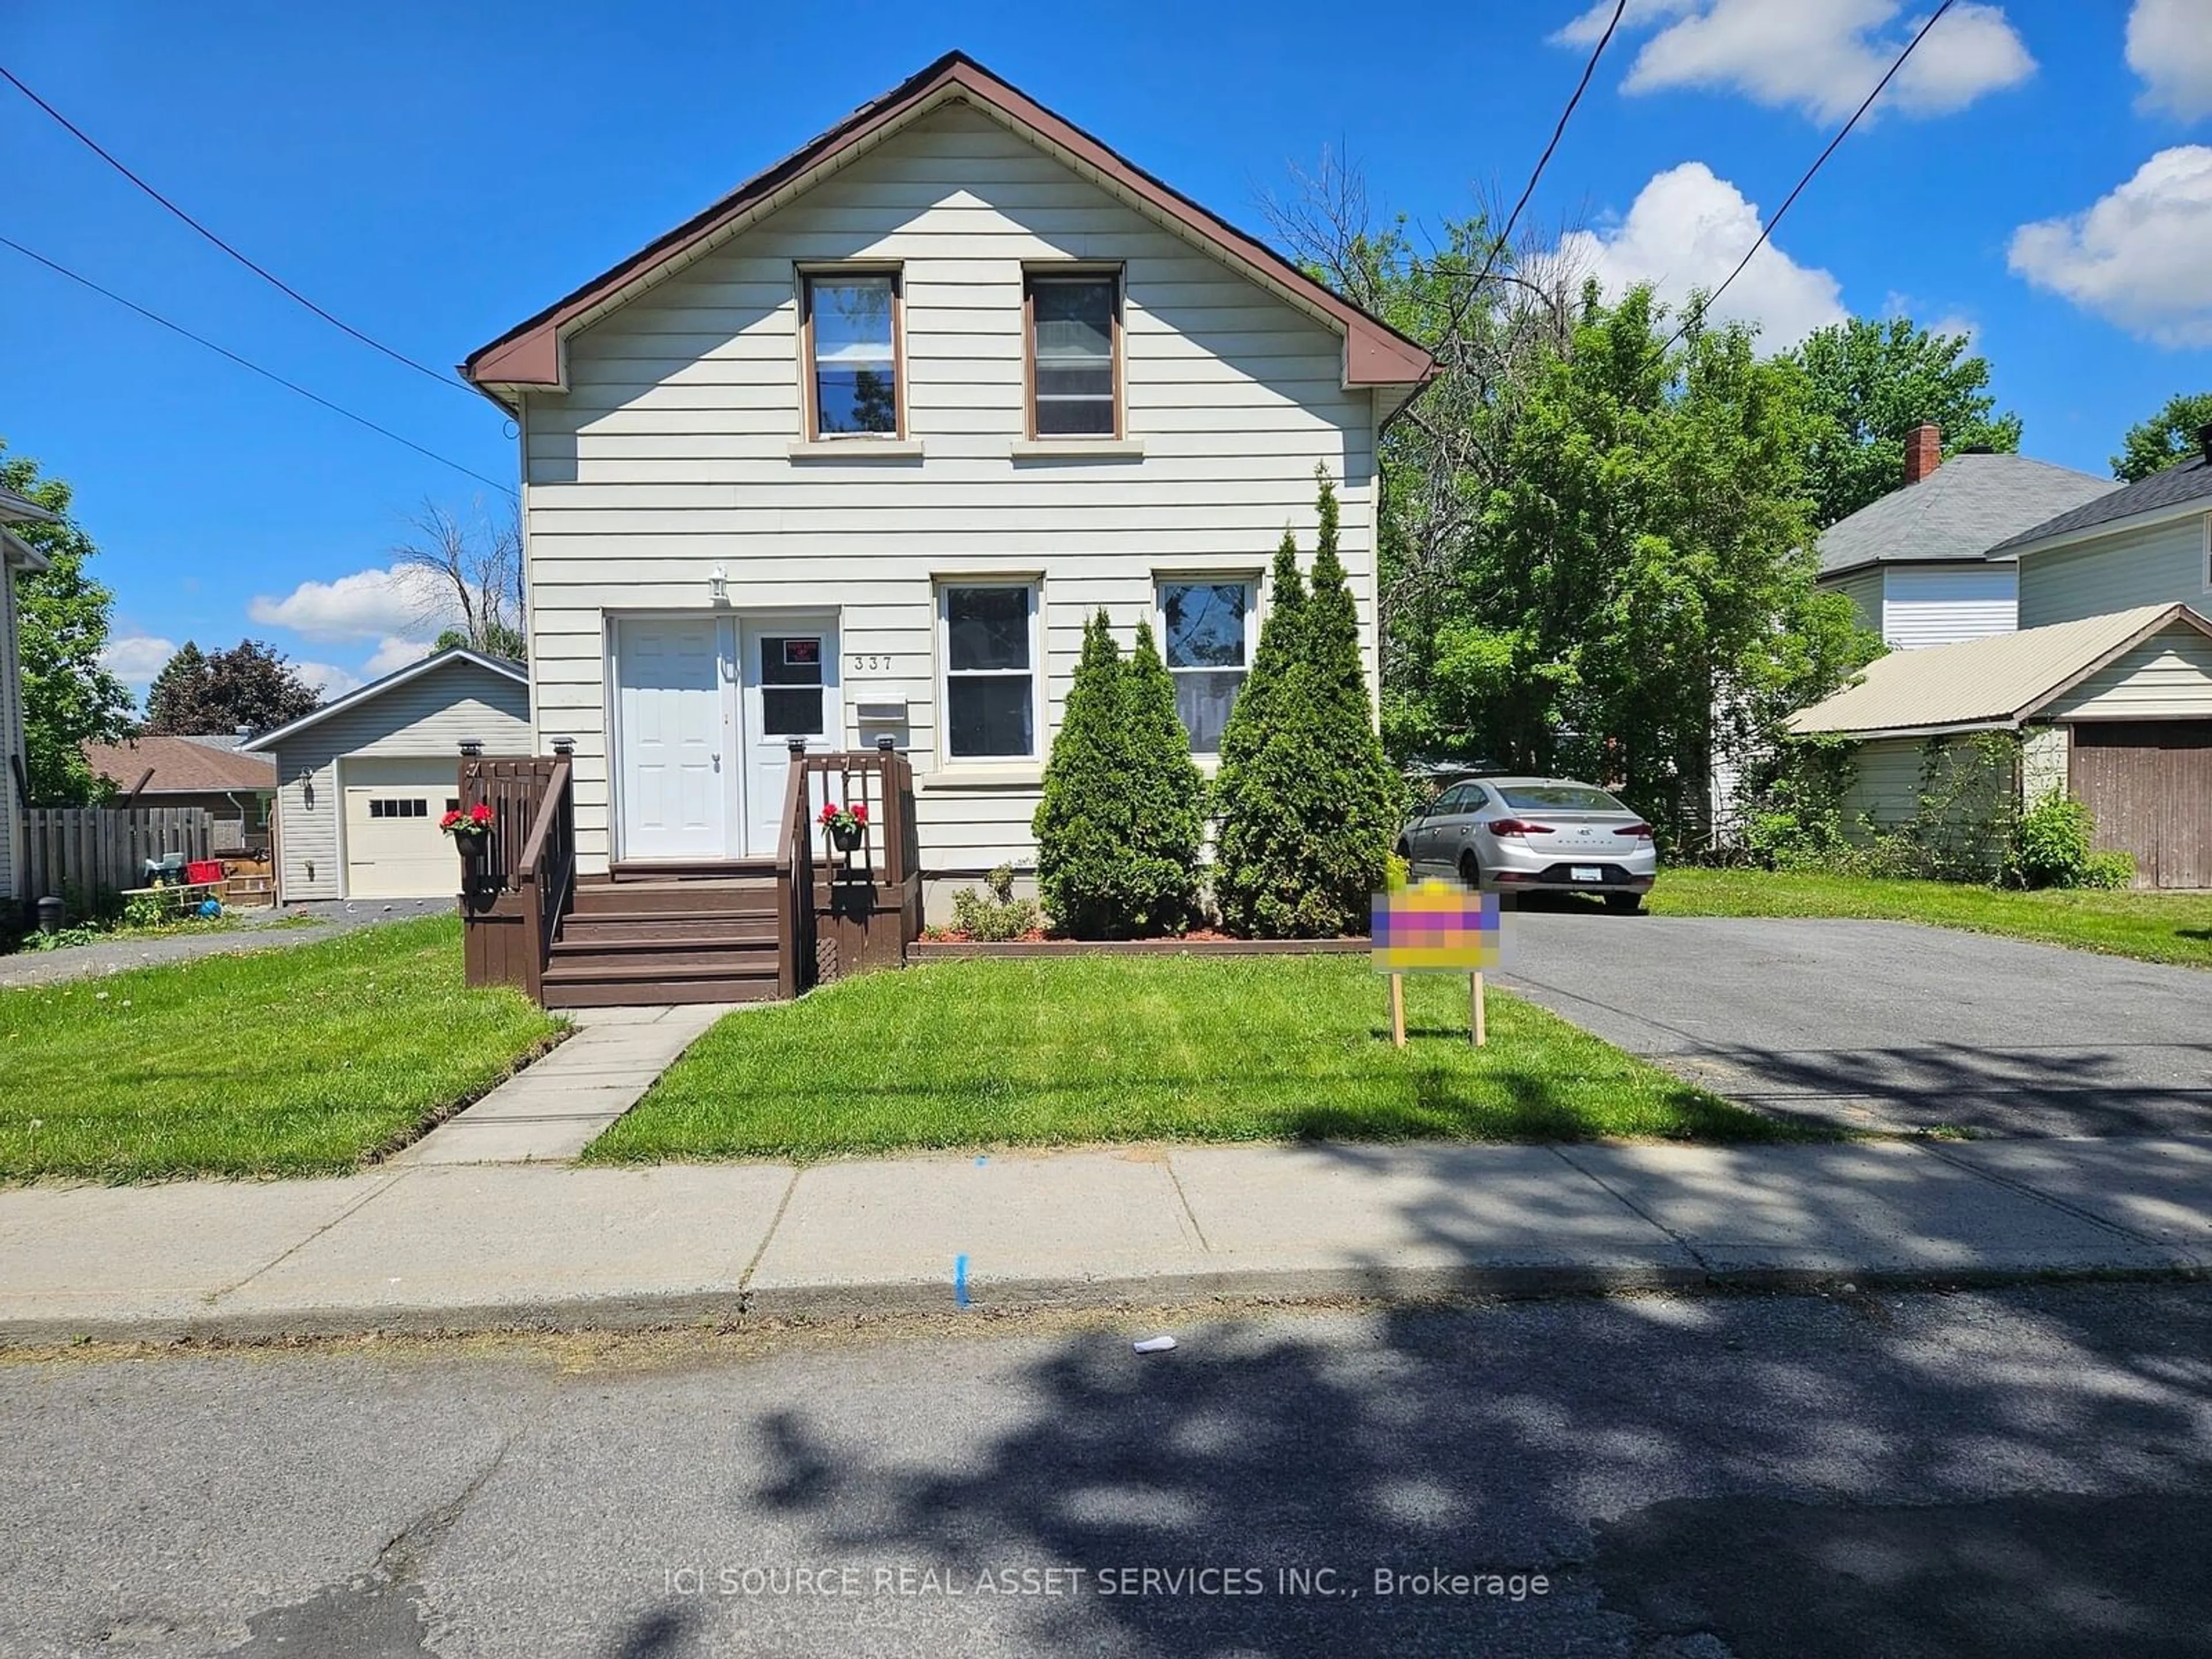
{"x": 989, "y": 652}
{"x": 1205, "y": 631}
{"x": 1074, "y": 357}
{"x": 850, "y": 329}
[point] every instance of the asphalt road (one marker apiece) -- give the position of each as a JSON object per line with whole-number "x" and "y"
{"x": 1883, "y": 1024}
{"x": 2019, "y": 1472}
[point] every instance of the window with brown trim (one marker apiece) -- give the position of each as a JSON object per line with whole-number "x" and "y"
{"x": 850, "y": 330}
{"x": 1074, "y": 327}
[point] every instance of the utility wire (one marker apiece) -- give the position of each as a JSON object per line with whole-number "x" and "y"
{"x": 1843, "y": 132}
{"x": 262, "y": 271}
{"x": 246, "y": 363}
{"x": 1505, "y": 238}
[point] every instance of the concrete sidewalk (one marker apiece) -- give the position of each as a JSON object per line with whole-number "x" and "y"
{"x": 482, "y": 1246}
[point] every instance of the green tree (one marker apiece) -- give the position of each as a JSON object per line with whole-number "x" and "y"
{"x": 2169, "y": 436}
{"x": 1868, "y": 383}
{"x": 1641, "y": 598}
{"x": 252, "y": 684}
{"x": 1166, "y": 794}
{"x": 1082, "y": 820}
{"x": 1308, "y": 801}
{"x": 63, "y": 618}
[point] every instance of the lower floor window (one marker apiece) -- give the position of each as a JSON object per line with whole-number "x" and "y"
{"x": 1206, "y": 636}
{"x": 990, "y": 656}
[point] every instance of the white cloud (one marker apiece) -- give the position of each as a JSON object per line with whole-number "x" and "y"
{"x": 1686, "y": 230}
{"x": 369, "y": 604}
{"x": 2170, "y": 46}
{"x": 2140, "y": 255}
{"x": 1895, "y": 304}
{"x": 135, "y": 658}
{"x": 394, "y": 653}
{"x": 1821, "y": 56}
{"x": 327, "y": 678}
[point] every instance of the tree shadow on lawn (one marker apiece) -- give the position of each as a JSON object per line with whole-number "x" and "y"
{"x": 1665, "y": 1464}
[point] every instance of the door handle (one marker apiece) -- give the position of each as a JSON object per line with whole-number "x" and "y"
{"x": 718, "y": 763}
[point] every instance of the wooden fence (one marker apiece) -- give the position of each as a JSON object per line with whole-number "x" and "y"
{"x": 89, "y": 854}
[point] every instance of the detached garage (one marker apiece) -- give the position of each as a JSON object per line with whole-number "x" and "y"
{"x": 363, "y": 782}
{"x": 2117, "y": 709}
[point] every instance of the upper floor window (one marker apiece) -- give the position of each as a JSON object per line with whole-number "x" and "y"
{"x": 1205, "y": 628}
{"x": 1074, "y": 356}
{"x": 851, "y": 331}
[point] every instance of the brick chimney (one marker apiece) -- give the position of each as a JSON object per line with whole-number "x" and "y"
{"x": 1923, "y": 452}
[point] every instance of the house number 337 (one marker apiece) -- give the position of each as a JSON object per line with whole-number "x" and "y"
{"x": 871, "y": 662}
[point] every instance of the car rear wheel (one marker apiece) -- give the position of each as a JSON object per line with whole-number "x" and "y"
{"x": 1627, "y": 903}
{"x": 1470, "y": 871}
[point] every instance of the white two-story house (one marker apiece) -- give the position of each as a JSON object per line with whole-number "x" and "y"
{"x": 854, "y": 452}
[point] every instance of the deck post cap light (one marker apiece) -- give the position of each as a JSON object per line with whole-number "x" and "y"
{"x": 885, "y": 742}
{"x": 472, "y": 748}
{"x": 797, "y": 745}
{"x": 564, "y": 746}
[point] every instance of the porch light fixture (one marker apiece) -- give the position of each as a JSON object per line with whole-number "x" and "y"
{"x": 718, "y": 586}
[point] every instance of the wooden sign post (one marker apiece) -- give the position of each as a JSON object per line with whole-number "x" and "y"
{"x": 1438, "y": 927}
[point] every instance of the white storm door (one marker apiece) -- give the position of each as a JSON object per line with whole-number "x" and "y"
{"x": 791, "y": 691}
{"x": 672, "y": 702}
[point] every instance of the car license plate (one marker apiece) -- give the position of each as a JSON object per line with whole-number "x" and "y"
{"x": 1586, "y": 873}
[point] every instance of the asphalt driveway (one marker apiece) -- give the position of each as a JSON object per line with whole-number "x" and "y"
{"x": 1883, "y": 1024}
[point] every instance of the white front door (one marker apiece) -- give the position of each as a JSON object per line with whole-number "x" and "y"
{"x": 791, "y": 691}
{"x": 675, "y": 737}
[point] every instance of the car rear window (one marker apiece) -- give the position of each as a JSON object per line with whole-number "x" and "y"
{"x": 1558, "y": 797}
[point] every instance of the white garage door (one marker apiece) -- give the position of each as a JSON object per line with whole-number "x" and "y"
{"x": 393, "y": 847}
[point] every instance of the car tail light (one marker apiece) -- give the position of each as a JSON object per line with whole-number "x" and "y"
{"x": 1516, "y": 827}
{"x": 1635, "y": 831}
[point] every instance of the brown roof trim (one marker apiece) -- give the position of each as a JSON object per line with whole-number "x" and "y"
{"x": 2157, "y": 625}
{"x": 1375, "y": 353}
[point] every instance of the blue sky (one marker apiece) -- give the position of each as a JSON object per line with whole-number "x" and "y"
{"x": 2042, "y": 176}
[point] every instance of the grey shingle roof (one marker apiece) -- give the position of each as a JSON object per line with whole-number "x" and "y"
{"x": 1964, "y": 509}
{"x": 2190, "y": 481}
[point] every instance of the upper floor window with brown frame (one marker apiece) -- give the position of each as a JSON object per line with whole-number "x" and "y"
{"x": 1073, "y": 321}
{"x": 850, "y": 331}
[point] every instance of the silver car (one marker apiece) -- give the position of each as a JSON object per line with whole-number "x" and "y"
{"x": 1532, "y": 835}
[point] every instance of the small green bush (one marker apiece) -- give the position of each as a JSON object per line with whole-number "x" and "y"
{"x": 2051, "y": 843}
{"x": 997, "y": 915}
{"x": 2108, "y": 870}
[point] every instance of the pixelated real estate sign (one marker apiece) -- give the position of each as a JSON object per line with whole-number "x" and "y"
{"x": 1438, "y": 927}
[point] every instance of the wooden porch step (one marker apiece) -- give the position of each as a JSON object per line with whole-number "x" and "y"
{"x": 693, "y": 870}
{"x": 667, "y": 926}
{"x": 596, "y": 982}
{"x": 688, "y": 899}
{"x": 691, "y": 947}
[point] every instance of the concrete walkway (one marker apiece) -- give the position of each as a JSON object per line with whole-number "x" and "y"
{"x": 552, "y": 1109}
{"x": 428, "y": 1247}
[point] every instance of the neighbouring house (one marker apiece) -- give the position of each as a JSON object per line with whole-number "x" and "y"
{"x": 214, "y": 773}
{"x": 15, "y": 555}
{"x": 2148, "y": 543}
{"x": 2116, "y": 707}
{"x": 362, "y": 781}
{"x": 849, "y": 456}
{"x": 1921, "y": 564}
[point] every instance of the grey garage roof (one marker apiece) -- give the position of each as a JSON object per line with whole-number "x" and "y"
{"x": 266, "y": 741}
{"x": 2177, "y": 487}
{"x": 1962, "y": 511}
{"x": 1994, "y": 682}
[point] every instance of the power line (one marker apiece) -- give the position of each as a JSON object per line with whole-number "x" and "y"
{"x": 247, "y": 363}
{"x": 1843, "y": 132}
{"x": 1559, "y": 131}
{"x": 262, "y": 271}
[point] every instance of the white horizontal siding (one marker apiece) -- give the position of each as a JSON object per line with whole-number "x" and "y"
{"x": 2160, "y": 564}
{"x": 1885, "y": 790}
{"x": 2167, "y": 677}
{"x": 1863, "y": 589}
{"x": 669, "y": 453}
{"x": 1948, "y": 604}
{"x": 429, "y": 715}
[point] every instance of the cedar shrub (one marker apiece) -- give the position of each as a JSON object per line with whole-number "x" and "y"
{"x": 1166, "y": 795}
{"x": 1081, "y": 822}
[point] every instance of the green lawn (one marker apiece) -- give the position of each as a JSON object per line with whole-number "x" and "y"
{"x": 297, "y": 1061}
{"x": 1104, "y": 1048}
{"x": 2149, "y": 927}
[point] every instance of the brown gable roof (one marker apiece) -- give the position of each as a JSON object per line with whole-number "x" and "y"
{"x": 1375, "y": 353}
{"x": 181, "y": 766}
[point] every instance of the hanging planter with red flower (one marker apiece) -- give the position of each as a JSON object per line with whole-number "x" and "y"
{"x": 470, "y": 828}
{"x": 845, "y": 826}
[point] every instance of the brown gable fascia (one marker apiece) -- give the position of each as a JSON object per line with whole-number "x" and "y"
{"x": 2157, "y": 625}
{"x": 1375, "y": 353}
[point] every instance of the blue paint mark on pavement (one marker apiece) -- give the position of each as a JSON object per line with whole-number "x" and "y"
{"x": 981, "y": 1159}
{"x": 960, "y": 1281}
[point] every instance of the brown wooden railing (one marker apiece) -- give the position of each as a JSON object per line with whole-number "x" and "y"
{"x": 846, "y": 912}
{"x": 513, "y": 898}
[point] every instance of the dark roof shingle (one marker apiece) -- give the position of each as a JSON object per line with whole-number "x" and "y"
{"x": 2190, "y": 481}
{"x": 1962, "y": 510}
